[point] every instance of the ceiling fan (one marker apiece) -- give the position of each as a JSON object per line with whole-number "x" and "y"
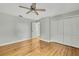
{"x": 32, "y": 8}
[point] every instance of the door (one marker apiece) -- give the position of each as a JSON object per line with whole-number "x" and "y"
{"x": 57, "y": 31}
{"x": 71, "y": 31}
{"x": 35, "y": 29}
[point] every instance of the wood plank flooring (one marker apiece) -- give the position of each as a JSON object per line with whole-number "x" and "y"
{"x": 37, "y": 47}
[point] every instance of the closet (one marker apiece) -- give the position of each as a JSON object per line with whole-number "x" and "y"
{"x": 63, "y": 30}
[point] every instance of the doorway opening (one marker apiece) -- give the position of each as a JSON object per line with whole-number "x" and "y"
{"x": 35, "y": 29}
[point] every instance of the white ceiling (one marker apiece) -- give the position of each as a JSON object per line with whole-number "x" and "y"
{"x": 52, "y": 9}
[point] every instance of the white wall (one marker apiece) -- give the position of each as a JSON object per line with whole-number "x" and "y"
{"x": 64, "y": 29}
{"x": 14, "y": 28}
{"x": 23, "y": 29}
{"x": 44, "y": 29}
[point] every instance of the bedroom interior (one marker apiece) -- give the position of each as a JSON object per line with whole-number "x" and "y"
{"x": 39, "y": 29}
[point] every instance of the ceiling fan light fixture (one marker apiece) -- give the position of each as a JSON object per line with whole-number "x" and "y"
{"x": 32, "y": 8}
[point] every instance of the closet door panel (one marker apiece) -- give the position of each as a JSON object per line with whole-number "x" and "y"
{"x": 75, "y": 32}
{"x": 54, "y": 33}
{"x": 67, "y": 31}
{"x": 71, "y": 31}
{"x": 57, "y": 31}
{"x": 60, "y": 31}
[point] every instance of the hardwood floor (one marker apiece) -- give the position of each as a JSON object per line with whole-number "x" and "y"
{"x": 37, "y": 47}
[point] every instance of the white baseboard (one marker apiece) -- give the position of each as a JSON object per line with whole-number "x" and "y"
{"x": 60, "y": 43}
{"x": 14, "y": 42}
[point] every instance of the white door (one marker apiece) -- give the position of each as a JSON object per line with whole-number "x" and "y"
{"x": 35, "y": 29}
{"x": 71, "y": 31}
{"x": 57, "y": 31}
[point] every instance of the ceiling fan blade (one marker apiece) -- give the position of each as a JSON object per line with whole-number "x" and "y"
{"x": 33, "y": 5}
{"x": 36, "y": 12}
{"x": 29, "y": 12}
{"x": 23, "y": 7}
{"x": 40, "y": 10}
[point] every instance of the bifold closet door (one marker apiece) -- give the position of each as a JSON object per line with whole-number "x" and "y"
{"x": 71, "y": 31}
{"x": 56, "y": 31}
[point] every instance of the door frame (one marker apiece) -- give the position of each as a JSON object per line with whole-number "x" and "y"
{"x": 37, "y": 21}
